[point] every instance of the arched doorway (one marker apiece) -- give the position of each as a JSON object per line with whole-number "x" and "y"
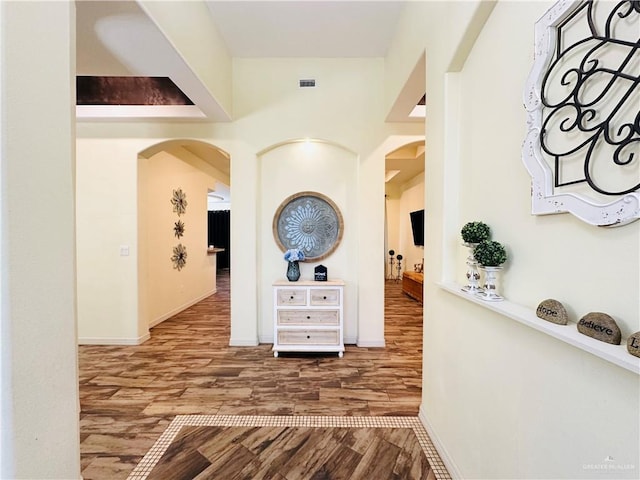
{"x": 175, "y": 267}
{"x": 404, "y": 197}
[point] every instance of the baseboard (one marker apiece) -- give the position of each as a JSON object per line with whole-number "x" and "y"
{"x": 243, "y": 342}
{"x": 440, "y": 448}
{"x": 350, "y": 340}
{"x": 179, "y": 309}
{"x": 113, "y": 341}
{"x": 370, "y": 343}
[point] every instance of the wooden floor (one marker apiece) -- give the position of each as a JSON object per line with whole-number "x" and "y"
{"x": 281, "y": 453}
{"x": 130, "y": 394}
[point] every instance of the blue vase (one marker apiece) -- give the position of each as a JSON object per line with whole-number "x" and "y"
{"x": 293, "y": 271}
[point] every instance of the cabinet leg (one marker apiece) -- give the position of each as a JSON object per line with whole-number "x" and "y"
{"x": 340, "y": 354}
{"x": 275, "y": 354}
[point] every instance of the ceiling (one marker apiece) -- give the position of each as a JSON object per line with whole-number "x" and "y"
{"x": 265, "y": 28}
{"x": 306, "y": 28}
{"x": 114, "y": 38}
{"x": 404, "y": 164}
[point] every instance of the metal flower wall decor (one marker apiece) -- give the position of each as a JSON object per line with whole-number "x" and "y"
{"x": 179, "y": 257}
{"x": 178, "y": 229}
{"x": 179, "y": 201}
{"x": 582, "y": 148}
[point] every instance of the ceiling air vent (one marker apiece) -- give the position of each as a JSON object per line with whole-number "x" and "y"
{"x": 307, "y": 83}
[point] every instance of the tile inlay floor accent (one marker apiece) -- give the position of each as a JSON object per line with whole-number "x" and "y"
{"x": 264, "y": 447}
{"x": 130, "y": 394}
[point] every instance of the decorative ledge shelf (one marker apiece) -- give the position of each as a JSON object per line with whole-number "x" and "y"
{"x": 616, "y": 354}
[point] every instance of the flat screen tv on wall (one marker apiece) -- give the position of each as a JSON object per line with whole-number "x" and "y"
{"x": 417, "y": 227}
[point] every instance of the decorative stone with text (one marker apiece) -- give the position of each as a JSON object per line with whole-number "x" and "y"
{"x": 601, "y": 327}
{"x": 552, "y": 311}
{"x": 633, "y": 344}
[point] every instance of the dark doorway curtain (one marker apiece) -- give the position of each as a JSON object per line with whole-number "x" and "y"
{"x": 219, "y": 227}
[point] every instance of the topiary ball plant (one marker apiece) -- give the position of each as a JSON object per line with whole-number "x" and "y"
{"x": 475, "y": 232}
{"x": 490, "y": 253}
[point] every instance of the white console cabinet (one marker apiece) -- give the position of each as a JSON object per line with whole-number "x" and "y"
{"x": 307, "y": 316}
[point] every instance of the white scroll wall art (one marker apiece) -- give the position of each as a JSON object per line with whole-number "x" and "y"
{"x": 582, "y": 97}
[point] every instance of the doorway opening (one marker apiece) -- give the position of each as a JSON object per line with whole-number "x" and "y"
{"x": 404, "y": 211}
{"x": 176, "y": 269}
{"x": 404, "y": 242}
{"x": 219, "y": 237}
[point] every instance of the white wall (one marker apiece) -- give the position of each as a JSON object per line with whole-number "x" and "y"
{"x": 106, "y": 220}
{"x": 502, "y": 400}
{"x": 39, "y": 376}
{"x": 392, "y": 210}
{"x": 412, "y": 199}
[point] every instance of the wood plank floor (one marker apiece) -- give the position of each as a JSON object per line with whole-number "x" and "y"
{"x": 130, "y": 394}
{"x": 259, "y": 453}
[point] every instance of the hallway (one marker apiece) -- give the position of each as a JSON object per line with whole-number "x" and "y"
{"x": 130, "y": 394}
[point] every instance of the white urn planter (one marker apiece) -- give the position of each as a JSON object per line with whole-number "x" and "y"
{"x": 473, "y": 275}
{"x": 490, "y": 255}
{"x": 472, "y": 234}
{"x": 490, "y": 290}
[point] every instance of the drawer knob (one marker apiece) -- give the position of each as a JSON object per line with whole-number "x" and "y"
{"x": 291, "y": 297}
{"x": 308, "y": 336}
{"x": 308, "y": 317}
{"x": 324, "y": 298}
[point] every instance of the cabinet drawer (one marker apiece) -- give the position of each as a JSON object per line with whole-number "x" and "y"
{"x": 309, "y": 317}
{"x": 325, "y": 297}
{"x": 292, "y": 296}
{"x": 309, "y": 337}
